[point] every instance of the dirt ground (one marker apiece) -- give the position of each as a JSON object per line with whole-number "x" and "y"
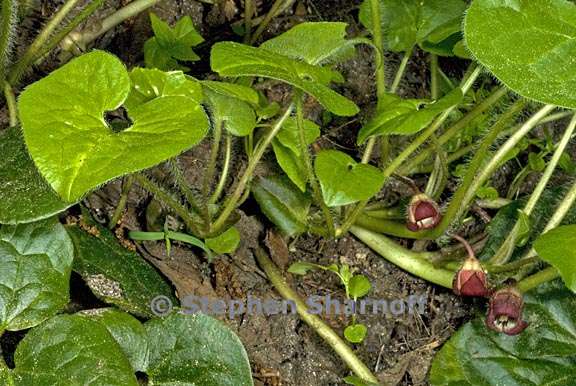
{"x": 282, "y": 349}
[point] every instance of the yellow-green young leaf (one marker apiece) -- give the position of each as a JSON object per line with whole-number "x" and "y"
{"x": 405, "y": 117}
{"x": 234, "y": 59}
{"x": 115, "y": 274}
{"x": 406, "y": 23}
{"x": 528, "y": 45}
{"x": 558, "y": 248}
{"x": 171, "y": 44}
{"x": 35, "y": 264}
{"x": 74, "y": 350}
{"x": 25, "y": 196}
{"x": 127, "y": 331}
{"x": 313, "y": 42}
{"x": 227, "y": 242}
{"x": 359, "y": 286}
{"x": 72, "y": 145}
{"x": 195, "y": 350}
{"x": 149, "y": 84}
{"x": 343, "y": 180}
{"x": 283, "y": 203}
{"x": 355, "y": 333}
{"x": 543, "y": 354}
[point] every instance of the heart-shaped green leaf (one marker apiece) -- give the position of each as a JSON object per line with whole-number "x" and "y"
{"x": 235, "y": 59}
{"x": 127, "y": 331}
{"x": 283, "y": 203}
{"x": 355, "y": 333}
{"x": 405, "y": 117}
{"x": 113, "y": 273}
{"x": 195, "y": 350}
{"x": 406, "y": 23}
{"x": 557, "y": 247}
{"x": 72, "y": 145}
{"x": 74, "y": 350}
{"x": 359, "y": 286}
{"x": 343, "y": 180}
{"x": 25, "y": 196}
{"x": 237, "y": 116}
{"x": 528, "y": 45}
{"x": 35, "y": 265}
{"x": 543, "y": 354}
{"x": 286, "y": 147}
{"x": 313, "y": 42}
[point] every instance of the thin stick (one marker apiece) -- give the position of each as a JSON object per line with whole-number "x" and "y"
{"x": 321, "y": 328}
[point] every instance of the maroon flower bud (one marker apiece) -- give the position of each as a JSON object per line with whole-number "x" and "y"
{"x": 423, "y": 213}
{"x": 505, "y": 311}
{"x": 470, "y": 280}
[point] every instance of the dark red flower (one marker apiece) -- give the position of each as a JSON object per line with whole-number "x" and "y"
{"x": 423, "y": 213}
{"x": 505, "y": 311}
{"x": 470, "y": 280}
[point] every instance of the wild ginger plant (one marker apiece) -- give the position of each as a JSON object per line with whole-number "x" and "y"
{"x": 59, "y": 148}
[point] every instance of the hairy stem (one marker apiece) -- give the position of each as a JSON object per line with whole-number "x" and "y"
{"x": 31, "y": 53}
{"x": 214, "y": 152}
{"x": 513, "y": 266}
{"x": 232, "y": 201}
{"x": 379, "y": 43}
{"x": 170, "y": 201}
{"x": 505, "y": 251}
{"x": 319, "y": 326}
{"x": 434, "y": 89}
{"x": 454, "y": 130}
{"x": 533, "y": 281}
{"x": 276, "y": 9}
{"x": 248, "y": 13}
{"x": 126, "y": 186}
{"x": 401, "y": 71}
{"x": 305, "y": 156}
{"x": 7, "y": 24}
{"x": 557, "y": 217}
{"x": 457, "y": 205}
{"x": 11, "y": 103}
{"x": 411, "y": 148}
{"x": 65, "y": 31}
{"x": 224, "y": 174}
{"x": 380, "y": 69}
{"x": 183, "y": 186}
{"x": 416, "y": 263}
